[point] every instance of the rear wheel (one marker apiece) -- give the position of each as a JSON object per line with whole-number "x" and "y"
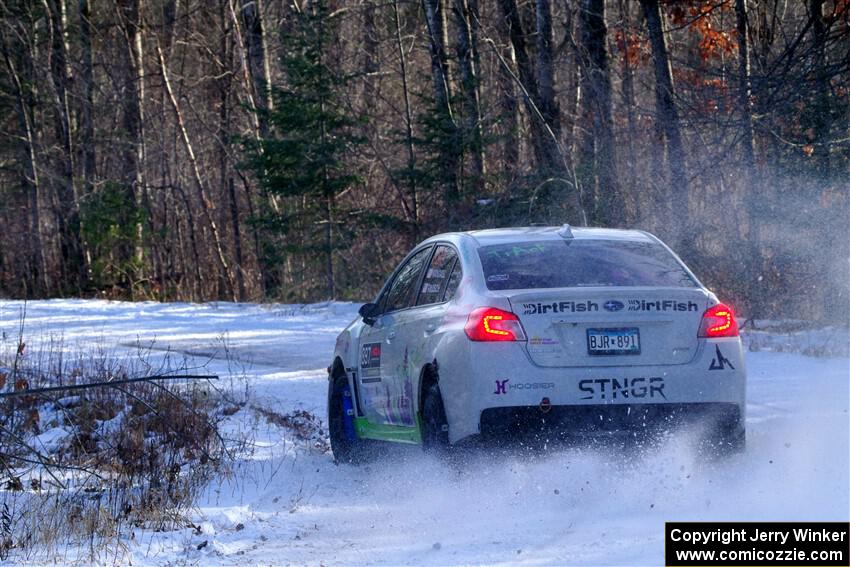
{"x": 345, "y": 445}
{"x": 435, "y": 427}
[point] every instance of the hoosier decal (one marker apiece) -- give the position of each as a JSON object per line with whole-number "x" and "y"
{"x": 502, "y": 386}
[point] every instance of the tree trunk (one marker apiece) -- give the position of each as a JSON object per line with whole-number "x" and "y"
{"x": 752, "y": 190}
{"x": 600, "y": 156}
{"x": 552, "y": 160}
{"x": 528, "y": 82}
{"x": 408, "y": 131}
{"x": 545, "y": 68}
{"x": 134, "y": 120}
{"x": 677, "y": 216}
{"x": 258, "y": 63}
{"x": 87, "y": 143}
{"x": 68, "y": 217}
{"x": 255, "y": 74}
{"x": 630, "y": 186}
{"x": 466, "y": 23}
{"x": 225, "y": 173}
{"x": 31, "y": 178}
{"x": 329, "y": 245}
{"x": 509, "y": 110}
{"x": 203, "y": 196}
{"x": 371, "y": 54}
{"x": 435, "y": 19}
{"x": 822, "y": 109}
{"x": 193, "y": 241}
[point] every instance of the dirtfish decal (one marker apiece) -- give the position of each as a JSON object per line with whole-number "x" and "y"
{"x": 661, "y": 305}
{"x": 559, "y": 307}
{"x": 658, "y": 305}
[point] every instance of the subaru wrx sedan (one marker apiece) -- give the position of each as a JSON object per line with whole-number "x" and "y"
{"x": 567, "y": 332}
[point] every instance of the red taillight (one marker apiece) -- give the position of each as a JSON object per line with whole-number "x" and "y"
{"x": 491, "y": 324}
{"x": 718, "y": 321}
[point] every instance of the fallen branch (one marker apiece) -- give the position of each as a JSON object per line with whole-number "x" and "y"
{"x": 108, "y": 383}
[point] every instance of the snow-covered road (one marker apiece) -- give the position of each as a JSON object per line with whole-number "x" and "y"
{"x": 289, "y": 504}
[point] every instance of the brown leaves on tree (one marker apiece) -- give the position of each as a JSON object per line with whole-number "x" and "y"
{"x": 704, "y": 19}
{"x": 631, "y": 46}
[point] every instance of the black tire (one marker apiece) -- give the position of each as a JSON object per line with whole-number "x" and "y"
{"x": 345, "y": 450}
{"x": 435, "y": 427}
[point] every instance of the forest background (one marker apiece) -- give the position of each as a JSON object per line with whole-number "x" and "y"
{"x": 253, "y": 150}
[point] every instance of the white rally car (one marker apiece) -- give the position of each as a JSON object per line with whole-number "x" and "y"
{"x": 567, "y": 331}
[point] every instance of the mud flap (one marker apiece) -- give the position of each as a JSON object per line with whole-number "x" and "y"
{"x": 348, "y": 414}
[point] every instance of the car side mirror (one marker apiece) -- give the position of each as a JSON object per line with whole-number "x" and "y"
{"x": 369, "y": 311}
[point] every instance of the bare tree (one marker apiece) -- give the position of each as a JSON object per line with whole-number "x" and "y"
{"x": 257, "y": 55}
{"x": 203, "y": 195}
{"x": 87, "y": 141}
{"x": 629, "y": 185}
{"x": 412, "y": 211}
{"x": 599, "y": 155}
{"x": 466, "y": 23}
{"x": 821, "y": 125}
{"x": 31, "y": 177}
{"x": 552, "y": 159}
{"x": 68, "y": 193}
{"x": 548, "y": 104}
{"x": 667, "y": 116}
{"x": 435, "y": 18}
{"x": 509, "y": 113}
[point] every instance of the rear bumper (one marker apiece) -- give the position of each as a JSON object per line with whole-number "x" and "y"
{"x": 619, "y": 419}
{"x": 485, "y": 384}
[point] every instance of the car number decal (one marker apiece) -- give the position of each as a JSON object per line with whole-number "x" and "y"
{"x": 370, "y": 362}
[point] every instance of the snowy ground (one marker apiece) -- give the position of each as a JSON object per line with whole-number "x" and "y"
{"x": 289, "y": 504}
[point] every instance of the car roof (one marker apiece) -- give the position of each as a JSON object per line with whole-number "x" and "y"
{"x": 530, "y": 233}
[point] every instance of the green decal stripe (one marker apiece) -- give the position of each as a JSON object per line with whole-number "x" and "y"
{"x": 397, "y": 433}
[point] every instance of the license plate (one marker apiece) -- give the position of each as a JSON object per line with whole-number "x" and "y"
{"x": 613, "y": 341}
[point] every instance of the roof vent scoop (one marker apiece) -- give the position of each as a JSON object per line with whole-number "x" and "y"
{"x": 565, "y": 231}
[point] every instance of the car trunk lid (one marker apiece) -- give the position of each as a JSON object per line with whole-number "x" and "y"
{"x": 662, "y": 323}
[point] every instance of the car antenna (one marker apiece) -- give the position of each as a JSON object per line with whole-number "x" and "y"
{"x": 565, "y": 231}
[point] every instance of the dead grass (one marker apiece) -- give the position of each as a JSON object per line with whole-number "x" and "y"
{"x": 303, "y": 425}
{"x": 82, "y": 470}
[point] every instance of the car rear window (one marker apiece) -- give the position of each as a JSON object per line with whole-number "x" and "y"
{"x": 581, "y": 263}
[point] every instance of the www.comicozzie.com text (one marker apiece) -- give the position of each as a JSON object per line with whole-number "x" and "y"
{"x": 726, "y": 537}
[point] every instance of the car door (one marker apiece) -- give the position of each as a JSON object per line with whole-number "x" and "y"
{"x": 386, "y": 400}
{"x": 414, "y": 329}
